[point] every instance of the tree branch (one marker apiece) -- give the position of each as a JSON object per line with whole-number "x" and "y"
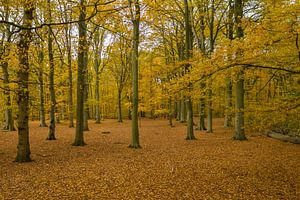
{"x": 94, "y": 13}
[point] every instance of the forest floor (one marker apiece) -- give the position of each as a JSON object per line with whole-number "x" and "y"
{"x": 167, "y": 166}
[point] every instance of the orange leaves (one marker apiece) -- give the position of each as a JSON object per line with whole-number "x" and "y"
{"x": 167, "y": 167}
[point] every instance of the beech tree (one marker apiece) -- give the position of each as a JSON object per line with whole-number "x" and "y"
{"x": 51, "y": 132}
{"x": 66, "y": 17}
{"x": 40, "y": 71}
{"x": 228, "y": 108}
{"x": 99, "y": 36}
{"x": 135, "y": 19}
{"x": 221, "y": 54}
{"x": 240, "y": 91}
{"x": 188, "y": 55}
{"x": 120, "y": 67}
{"x": 81, "y": 75}
{"x": 4, "y": 53}
{"x": 199, "y": 33}
{"x": 23, "y": 153}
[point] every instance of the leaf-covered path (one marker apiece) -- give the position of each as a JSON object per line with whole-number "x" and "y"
{"x": 167, "y": 166}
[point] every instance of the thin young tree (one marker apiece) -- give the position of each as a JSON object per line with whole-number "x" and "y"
{"x": 99, "y": 51}
{"x": 120, "y": 67}
{"x": 4, "y": 52}
{"x": 228, "y": 114}
{"x": 51, "y": 132}
{"x": 98, "y": 46}
{"x": 68, "y": 43}
{"x": 40, "y": 72}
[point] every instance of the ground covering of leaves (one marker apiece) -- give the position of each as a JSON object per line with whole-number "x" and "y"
{"x": 167, "y": 166}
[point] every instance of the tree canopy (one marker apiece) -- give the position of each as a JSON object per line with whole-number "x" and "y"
{"x": 181, "y": 59}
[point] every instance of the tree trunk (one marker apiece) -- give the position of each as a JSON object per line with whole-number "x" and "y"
{"x": 86, "y": 112}
{"x": 97, "y": 95}
{"x": 240, "y": 92}
{"x": 188, "y": 55}
{"x": 135, "y": 12}
{"x": 175, "y": 109}
{"x": 82, "y": 67}
{"x": 201, "y": 45}
{"x": 239, "y": 115}
{"x": 211, "y": 50}
{"x": 178, "y": 103}
{"x": 23, "y": 153}
{"x": 209, "y": 112}
{"x": 182, "y": 110}
{"x": 51, "y": 132}
{"x": 201, "y": 124}
{"x": 86, "y": 95}
{"x": 170, "y": 116}
{"x": 70, "y": 75}
{"x": 228, "y": 114}
{"x": 41, "y": 88}
{"x": 120, "y": 119}
{"x": 97, "y": 62}
{"x": 9, "y": 122}
{"x": 190, "y": 123}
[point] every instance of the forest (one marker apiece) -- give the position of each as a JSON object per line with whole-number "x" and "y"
{"x": 154, "y": 75}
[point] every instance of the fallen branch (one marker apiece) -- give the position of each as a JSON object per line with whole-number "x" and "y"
{"x": 284, "y": 138}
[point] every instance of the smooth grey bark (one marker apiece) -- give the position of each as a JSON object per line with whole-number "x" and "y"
{"x": 211, "y": 50}
{"x": 188, "y": 55}
{"x": 69, "y": 64}
{"x": 92, "y": 106}
{"x": 86, "y": 96}
{"x": 210, "y": 109}
{"x": 175, "y": 110}
{"x": 9, "y": 121}
{"x": 201, "y": 122}
{"x": 240, "y": 91}
{"x": 239, "y": 106}
{"x": 151, "y": 93}
{"x": 23, "y": 152}
{"x": 212, "y": 37}
{"x": 190, "y": 123}
{"x": 200, "y": 38}
{"x": 70, "y": 89}
{"x": 120, "y": 118}
{"x": 41, "y": 87}
{"x": 4, "y": 51}
{"x": 183, "y": 113}
{"x": 97, "y": 97}
{"x": 170, "y": 114}
{"x": 135, "y": 18}
{"x": 228, "y": 107}
{"x": 86, "y": 109}
{"x": 51, "y": 131}
{"x": 228, "y": 112}
{"x": 120, "y": 71}
{"x": 178, "y": 103}
{"x": 98, "y": 41}
{"x": 81, "y": 71}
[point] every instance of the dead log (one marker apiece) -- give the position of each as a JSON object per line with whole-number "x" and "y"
{"x": 285, "y": 138}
